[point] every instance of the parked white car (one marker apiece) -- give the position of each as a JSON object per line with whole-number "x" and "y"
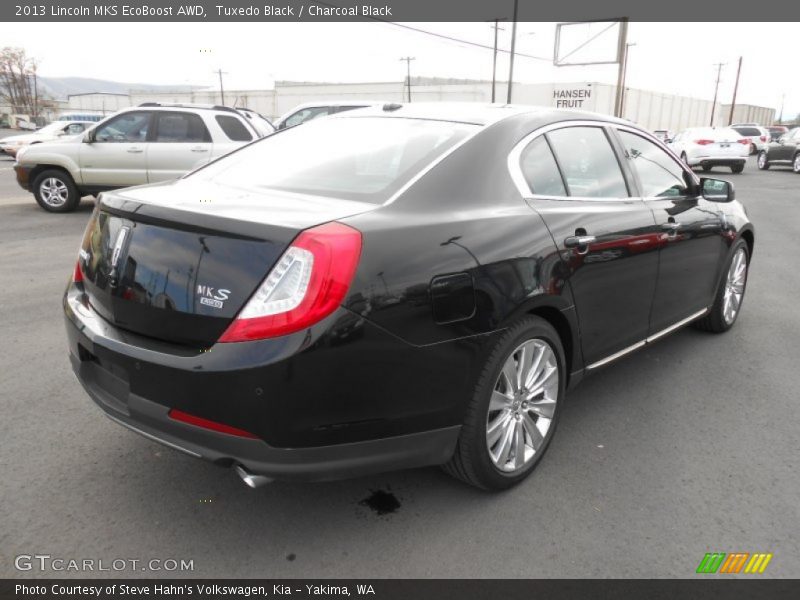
{"x": 11, "y": 145}
{"x": 149, "y": 143}
{"x": 709, "y": 147}
{"x": 303, "y": 113}
{"x": 759, "y": 137}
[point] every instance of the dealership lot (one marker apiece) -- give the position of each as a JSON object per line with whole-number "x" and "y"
{"x": 687, "y": 447}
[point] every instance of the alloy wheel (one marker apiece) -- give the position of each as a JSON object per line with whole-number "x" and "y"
{"x": 762, "y": 160}
{"x": 54, "y": 192}
{"x": 522, "y": 406}
{"x": 796, "y": 163}
{"x": 734, "y": 286}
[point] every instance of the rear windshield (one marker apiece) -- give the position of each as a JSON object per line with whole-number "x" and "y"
{"x": 748, "y": 131}
{"x": 360, "y": 158}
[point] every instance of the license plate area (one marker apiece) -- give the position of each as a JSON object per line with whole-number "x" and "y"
{"x": 108, "y": 381}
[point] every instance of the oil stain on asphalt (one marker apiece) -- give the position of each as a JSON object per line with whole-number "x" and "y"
{"x": 381, "y": 502}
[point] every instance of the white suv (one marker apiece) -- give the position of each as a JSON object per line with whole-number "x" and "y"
{"x": 149, "y": 143}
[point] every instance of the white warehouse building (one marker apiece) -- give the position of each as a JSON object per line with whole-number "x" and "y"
{"x": 652, "y": 110}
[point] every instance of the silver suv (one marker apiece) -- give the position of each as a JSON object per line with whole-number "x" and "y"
{"x": 145, "y": 144}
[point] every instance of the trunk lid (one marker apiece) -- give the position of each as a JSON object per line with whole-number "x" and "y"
{"x": 177, "y": 261}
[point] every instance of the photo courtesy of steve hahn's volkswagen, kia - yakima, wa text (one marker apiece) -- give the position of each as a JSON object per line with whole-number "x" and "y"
{"x": 375, "y": 299}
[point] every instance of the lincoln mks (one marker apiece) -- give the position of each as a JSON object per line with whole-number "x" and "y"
{"x": 401, "y": 286}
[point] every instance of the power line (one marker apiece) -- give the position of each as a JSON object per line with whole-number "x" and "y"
{"x": 461, "y": 41}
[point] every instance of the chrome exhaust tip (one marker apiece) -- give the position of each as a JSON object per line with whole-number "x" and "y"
{"x": 250, "y": 479}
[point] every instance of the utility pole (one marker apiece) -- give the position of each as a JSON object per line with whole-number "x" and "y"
{"x": 735, "y": 91}
{"x": 716, "y": 90}
{"x": 496, "y": 28}
{"x": 220, "y": 72}
{"x": 622, "y": 55}
{"x": 783, "y": 99}
{"x": 513, "y": 49}
{"x": 35, "y": 93}
{"x": 408, "y": 60}
{"x": 624, "y": 78}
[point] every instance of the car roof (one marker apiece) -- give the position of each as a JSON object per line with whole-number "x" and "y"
{"x": 476, "y": 113}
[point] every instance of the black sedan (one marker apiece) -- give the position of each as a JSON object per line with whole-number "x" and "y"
{"x": 398, "y": 287}
{"x": 784, "y": 152}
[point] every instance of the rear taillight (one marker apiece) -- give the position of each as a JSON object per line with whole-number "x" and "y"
{"x": 179, "y": 415}
{"x": 77, "y": 274}
{"x": 763, "y": 138}
{"x": 744, "y": 141}
{"x": 306, "y": 285}
{"x": 704, "y": 142}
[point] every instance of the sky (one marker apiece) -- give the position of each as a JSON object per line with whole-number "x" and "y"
{"x": 677, "y": 58}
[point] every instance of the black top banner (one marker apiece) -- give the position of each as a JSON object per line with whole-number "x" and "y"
{"x": 395, "y": 10}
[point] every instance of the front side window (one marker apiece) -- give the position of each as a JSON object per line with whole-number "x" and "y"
{"x": 365, "y": 159}
{"x": 659, "y": 175}
{"x": 588, "y": 163}
{"x": 128, "y": 127}
{"x": 181, "y": 128}
{"x": 540, "y": 169}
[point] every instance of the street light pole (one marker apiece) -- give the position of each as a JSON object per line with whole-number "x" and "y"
{"x": 513, "y": 49}
{"x": 496, "y": 28}
{"x": 408, "y": 60}
{"x": 628, "y": 46}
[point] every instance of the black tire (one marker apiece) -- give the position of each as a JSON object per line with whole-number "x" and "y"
{"x": 707, "y": 168}
{"x": 714, "y": 321}
{"x": 471, "y": 461}
{"x": 737, "y": 168}
{"x": 762, "y": 161}
{"x": 753, "y": 149}
{"x": 63, "y": 196}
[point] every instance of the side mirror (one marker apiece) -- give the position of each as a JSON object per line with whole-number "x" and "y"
{"x": 717, "y": 190}
{"x": 89, "y": 137}
{"x": 667, "y": 140}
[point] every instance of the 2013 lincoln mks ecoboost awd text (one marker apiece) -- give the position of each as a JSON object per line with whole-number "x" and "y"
{"x": 396, "y": 287}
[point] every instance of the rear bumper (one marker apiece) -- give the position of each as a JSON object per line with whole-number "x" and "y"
{"x": 717, "y": 161}
{"x": 340, "y": 461}
{"x": 314, "y": 419}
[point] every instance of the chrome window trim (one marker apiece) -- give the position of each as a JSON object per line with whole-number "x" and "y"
{"x": 514, "y": 162}
{"x": 648, "y": 340}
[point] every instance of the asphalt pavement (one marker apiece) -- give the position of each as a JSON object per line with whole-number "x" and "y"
{"x": 686, "y": 447}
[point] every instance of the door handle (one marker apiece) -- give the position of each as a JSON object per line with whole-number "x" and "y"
{"x": 199, "y": 149}
{"x": 671, "y": 226}
{"x": 135, "y": 150}
{"x": 577, "y": 241}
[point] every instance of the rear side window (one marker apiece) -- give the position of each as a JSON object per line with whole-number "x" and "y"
{"x": 588, "y": 163}
{"x": 234, "y": 128}
{"x": 659, "y": 175}
{"x": 181, "y": 128}
{"x": 540, "y": 169}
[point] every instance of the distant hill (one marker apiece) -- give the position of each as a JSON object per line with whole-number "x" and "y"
{"x": 60, "y": 87}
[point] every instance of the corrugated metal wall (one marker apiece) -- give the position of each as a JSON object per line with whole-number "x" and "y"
{"x": 652, "y": 110}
